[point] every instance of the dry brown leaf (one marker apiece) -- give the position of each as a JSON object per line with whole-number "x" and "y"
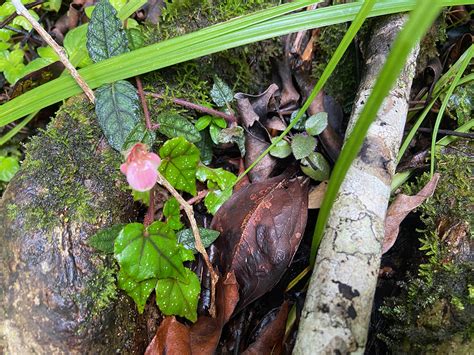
{"x": 316, "y": 195}
{"x": 401, "y": 207}
{"x": 261, "y": 227}
{"x": 171, "y": 338}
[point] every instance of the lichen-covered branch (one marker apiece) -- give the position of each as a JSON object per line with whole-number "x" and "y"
{"x": 339, "y": 300}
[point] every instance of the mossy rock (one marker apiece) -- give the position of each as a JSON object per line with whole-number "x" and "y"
{"x": 58, "y": 294}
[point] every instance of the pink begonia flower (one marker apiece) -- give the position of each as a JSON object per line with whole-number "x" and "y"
{"x": 141, "y": 168}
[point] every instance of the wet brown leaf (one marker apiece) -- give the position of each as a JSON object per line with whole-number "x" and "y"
{"x": 206, "y": 332}
{"x": 172, "y": 338}
{"x": 270, "y": 340}
{"x": 261, "y": 227}
{"x": 401, "y": 207}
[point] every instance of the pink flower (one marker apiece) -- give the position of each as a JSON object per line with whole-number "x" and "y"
{"x": 141, "y": 167}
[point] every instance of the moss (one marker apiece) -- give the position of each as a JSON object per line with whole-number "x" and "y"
{"x": 435, "y": 309}
{"x": 70, "y": 153}
{"x": 242, "y": 68}
{"x": 343, "y": 82}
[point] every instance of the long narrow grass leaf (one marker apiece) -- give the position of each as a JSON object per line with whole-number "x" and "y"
{"x": 421, "y": 18}
{"x": 449, "y": 93}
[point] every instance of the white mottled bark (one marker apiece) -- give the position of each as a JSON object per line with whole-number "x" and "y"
{"x": 338, "y": 304}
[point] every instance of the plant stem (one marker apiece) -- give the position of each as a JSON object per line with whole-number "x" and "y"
{"x": 21, "y": 10}
{"x": 150, "y": 213}
{"x": 188, "y": 209}
{"x": 197, "y": 107}
{"x": 146, "y": 112}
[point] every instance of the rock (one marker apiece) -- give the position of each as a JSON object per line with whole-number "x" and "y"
{"x": 58, "y": 294}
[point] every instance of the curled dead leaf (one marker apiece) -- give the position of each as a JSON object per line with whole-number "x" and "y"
{"x": 401, "y": 207}
{"x": 172, "y": 338}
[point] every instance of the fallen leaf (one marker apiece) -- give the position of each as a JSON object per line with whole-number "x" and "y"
{"x": 206, "y": 332}
{"x": 400, "y": 208}
{"x": 270, "y": 339}
{"x": 261, "y": 227}
{"x": 172, "y": 337}
{"x": 315, "y": 196}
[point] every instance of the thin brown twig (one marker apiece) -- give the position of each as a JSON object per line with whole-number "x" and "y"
{"x": 146, "y": 112}
{"x": 197, "y": 107}
{"x": 150, "y": 213}
{"x": 201, "y": 194}
{"x": 188, "y": 209}
{"x": 21, "y": 10}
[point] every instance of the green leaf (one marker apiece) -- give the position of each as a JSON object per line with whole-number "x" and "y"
{"x": 141, "y": 196}
{"x": 233, "y": 135}
{"x": 172, "y": 213}
{"x": 155, "y": 255}
{"x": 302, "y": 145}
{"x": 219, "y": 122}
{"x": 75, "y": 46}
{"x": 136, "y": 38}
{"x": 300, "y": 123}
{"x": 104, "y": 239}
{"x": 221, "y": 93}
{"x": 186, "y": 237}
{"x": 316, "y": 167}
{"x": 205, "y": 147}
{"x": 8, "y": 168}
{"x": 316, "y": 123}
{"x": 281, "y": 150}
{"x": 214, "y": 133}
{"x": 173, "y": 125}
{"x": 177, "y": 297}
{"x": 53, "y": 5}
{"x": 23, "y": 22}
{"x": 221, "y": 177}
{"x": 105, "y": 36}
{"x": 138, "y": 134}
{"x": 47, "y": 53}
{"x": 118, "y": 111}
{"x": 179, "y": 163}
{"x": 215, "y": 199}
{"x": 203, "y": 122}
{"x": 138, "y": 290}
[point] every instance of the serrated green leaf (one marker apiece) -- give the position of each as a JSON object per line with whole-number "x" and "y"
{"x": 233, "y": 135}
{"x": 316, "y": 123}
{"x": 8, "y": 168}
{"x": 105, "y": 36}
{"x": 118, "y": 111}
{"x": 177, "y": 297}
{"x": 221, "y": 93}
{"x": 104, "y": 239}
{"x": 215, "y": 199}
{"x": 186, "y": 237}
{"x": 155, "y": 255}
{"x": 138, "y": 291}
{"x": 138, "y": 134}
{"x": 203, "y": 122}
{"x": 173, "y": 125}
{"x": 281, "y": 150}
{"x": 179, "y": 163}
{"x": 302, "y": 145}
{"x": 316, "y": 167}
{"x": 205, "y": 147}
{"x": 172, "y": 213}
{"x": 221, "y": 177}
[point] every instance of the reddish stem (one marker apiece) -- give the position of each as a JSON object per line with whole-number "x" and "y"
{"x": 150, "y": 214}
{"x": 201, "y": 194}
{"x": 193, "y": 106}
{"x": 146, "y": 113}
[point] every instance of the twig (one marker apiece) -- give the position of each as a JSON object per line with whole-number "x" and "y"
{"x": 21, "y": 10}
{"x": 198, "y": 242}
{"x": 150, "y": 213}
{"x": 201, "y": 194}
{"x": 193, "y": 106}
{"x": 146, "y": 112}
{"x": 447, "y": 132}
